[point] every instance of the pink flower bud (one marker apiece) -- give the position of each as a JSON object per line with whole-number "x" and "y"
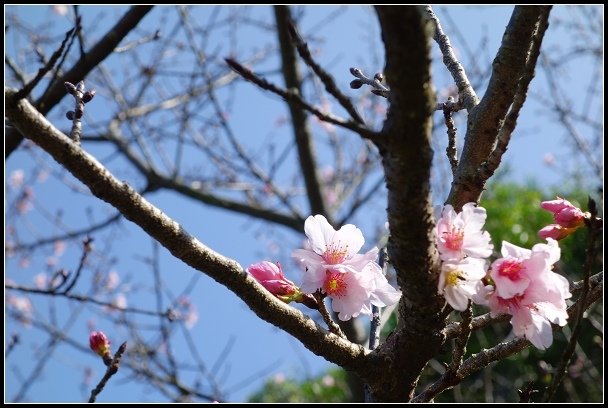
{"x": 555, "y": 231}
{"x": 99, "y": 343}
{"x": 271, "y": 276}
{"x": 564, "y": 213}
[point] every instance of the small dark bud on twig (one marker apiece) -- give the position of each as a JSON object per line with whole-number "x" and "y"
{"x": 356, "y": 84}
{"x": 88, "y": 95}
{"x": 70, "y": 115}
{"x": 379, "y": 77}
{"x": 355, "y": 71}
{"x": 80, "y": 86}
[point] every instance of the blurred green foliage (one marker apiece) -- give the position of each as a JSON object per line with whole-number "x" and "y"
{"x": 328, "y": 387}
{"x": 514, "y": 215}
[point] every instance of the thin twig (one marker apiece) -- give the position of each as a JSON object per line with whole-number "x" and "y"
{"x": 449, "y": 123}
{"x": 80, "y": 298}
{"x": 143, "y": 40}
{"x": 333, "y": 327}
{"x": 292, "y": 96}
{"x": 324, "y": 76}
{"x": 594, "y": 231}
{"x": 112, "y": 369}
{"x": 375, "y": 83}
{"x": 460, "y": 347}
{"x": 13, "y": 341}
{"x": 85, "y": 254}
{"x": 374, "y": 329}
{"x": 25, "y": 91}
{"x": 465, "y": 90}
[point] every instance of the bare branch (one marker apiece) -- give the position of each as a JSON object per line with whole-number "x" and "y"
{"x": 465, "y": 91}
{"x": 80, "y": 70}
{"x": 25, "y": 91}
{"x": 504, "y": 135}
{"x": 293, "y": 96}
{"x": 486, "y": 118}
{"x": 324, "y": 76}
{"x": 179, "y": 242}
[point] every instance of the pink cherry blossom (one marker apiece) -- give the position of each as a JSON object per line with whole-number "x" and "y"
{"x": 353, "y": 281}
{"x": 518, "y": 266}
{"x": 460, "y": 235}
{"x": 350, "y": 292}
{"x": 331, "y": 247}
{"x": 543, "y": 302}
{"x": 460, "y": 281}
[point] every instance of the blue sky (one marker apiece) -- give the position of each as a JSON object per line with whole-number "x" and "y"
{"x": 258, "y": 350}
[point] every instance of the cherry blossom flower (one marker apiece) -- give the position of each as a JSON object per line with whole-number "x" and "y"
{"x": 350, "y": 292}
{"x": 460, "y": 235}
{"x": 460, "y": 281}
{"x": 331, "y": 247}
{"x": 518, "y": 266}
{"x": 353, "y": 281}
{"x": 543, "y": 302}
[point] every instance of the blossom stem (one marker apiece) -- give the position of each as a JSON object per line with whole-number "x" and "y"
{"x": 111, "y": 370}
{"x": 374, "y": 329}
{"x": 333, "y": 327}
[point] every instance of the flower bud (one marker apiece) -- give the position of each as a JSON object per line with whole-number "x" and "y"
{"x": 70, "y": 115}
{"x": 88, "y": 95}
{"x": 564, "y": 213}
{"x": 99, "y": 343}
{"x": 271, "y": 276}
{"x": 356, "y": 84}
{"x": 555, "y": 231}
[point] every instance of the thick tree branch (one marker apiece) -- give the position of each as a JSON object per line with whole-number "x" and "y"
{"x": 504, "y": 135}
{"x": 486, "y": 119}
{"x": 79, "y": 71}
{"x": 406, "y": 156}
{"x": 180, "y": 243}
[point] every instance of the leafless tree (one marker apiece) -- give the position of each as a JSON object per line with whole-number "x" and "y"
{"x": 163, "y": 121}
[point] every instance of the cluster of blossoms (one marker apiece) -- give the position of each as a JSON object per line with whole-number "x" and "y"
{"x": 334, "y": 267}
{"x": 522, "y": 283}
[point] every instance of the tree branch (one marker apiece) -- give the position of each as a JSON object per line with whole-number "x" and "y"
{"x": 405, "y": 147}
{"x": 179, "y": 242}
{"x": 94, "y": 57}
{"x": 506, "y": 130}
{"x": 486, "y": 119}
{"x": 466, "y": 93}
